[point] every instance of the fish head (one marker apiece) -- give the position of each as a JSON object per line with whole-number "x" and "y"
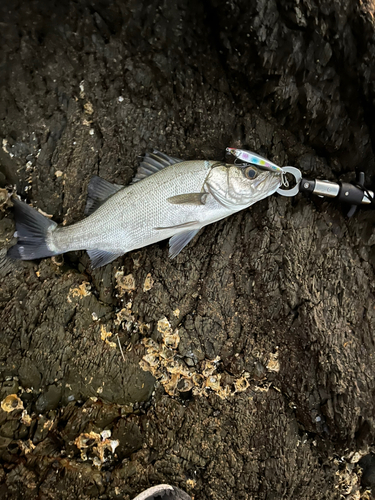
{"x": 239, "y": 186}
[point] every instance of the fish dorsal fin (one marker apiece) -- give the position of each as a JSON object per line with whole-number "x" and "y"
{"x": 152, "y": 163}
{"x": 101, "y": 258}
{"x": 179, "y": 241}
{"x": 98, "y": 191}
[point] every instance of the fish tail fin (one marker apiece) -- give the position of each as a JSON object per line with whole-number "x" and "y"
{"x": 33, "y": 229}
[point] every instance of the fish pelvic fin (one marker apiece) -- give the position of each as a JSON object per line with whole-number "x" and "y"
{"x": 179, "y": 241}
{"x": 33, "y": 230}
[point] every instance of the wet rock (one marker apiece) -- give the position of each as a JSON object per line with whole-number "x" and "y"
{"x": 367, "y": 463}
{"x": 8, "y": 429}
{"x": 8, "y": 387}
{"x": 129, "y": 435}
{"x": 88, "y": 92}
{"x": 29, "y": 375}
{"x": 49, "y": 400}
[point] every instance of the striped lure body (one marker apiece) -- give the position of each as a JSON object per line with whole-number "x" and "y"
{"x": 254, "y": 159}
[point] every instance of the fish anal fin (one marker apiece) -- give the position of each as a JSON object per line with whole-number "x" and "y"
{"x": 188, "y": 199}
{"x": 101, "y": 258}
{"x": 153, "y": 163}
{"x": 98, "y": 191}
{"x": 179, "y": 241}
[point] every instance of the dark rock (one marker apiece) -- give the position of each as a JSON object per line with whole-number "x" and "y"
{"x": 367, "y": 463}
{"x": 281, "y": 295}
{"x": 49, "y": 400}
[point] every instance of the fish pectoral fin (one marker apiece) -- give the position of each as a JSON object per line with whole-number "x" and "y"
{"x": 179, "y": 241}
{"x": 153, "y": 163}
{"x": 98, "y": 191}
{"x": 101, "y": 258}
{"x": 188, "y": 199}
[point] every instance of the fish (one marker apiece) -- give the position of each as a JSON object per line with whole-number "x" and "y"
{"x": 168, "y": 198}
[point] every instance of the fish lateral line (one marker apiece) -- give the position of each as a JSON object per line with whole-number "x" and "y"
{"x": 179, "y": 226}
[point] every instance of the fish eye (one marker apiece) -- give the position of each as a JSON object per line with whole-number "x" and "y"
{"x": 251, "y": 173}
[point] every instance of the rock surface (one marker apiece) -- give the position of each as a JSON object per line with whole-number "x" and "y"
{"x": 245, "y": 367}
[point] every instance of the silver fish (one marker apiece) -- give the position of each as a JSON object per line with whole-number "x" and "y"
{"x": 168, "y": 198}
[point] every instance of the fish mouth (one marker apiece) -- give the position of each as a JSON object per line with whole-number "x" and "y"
{"x": 269, "y": 177}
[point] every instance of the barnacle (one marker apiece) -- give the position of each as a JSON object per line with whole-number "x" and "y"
{"x": 213, "y": 382}
{"x": 83, "y": 290}
{"x": 124, "y": 315}
{"x": 163, "y": 361}
{"x": 5, "y": 199}
{"x": 166, "y": 353}
{"x": 25, "y": 418}
{"x": 185, "y": 384}
{"x": 150, "y": 344}
{"x": 124, "y": 283}
{"x": 164, "y": 327}
{"x": 273, "y": 364}
{"x": 242, "y": 383}
{"x": 152, "y": 359}
{"x": 99, "y": 443}
{"x": 26, "y": 446}
{"x": 172, "y": 340}
{"x": 170, "y": 384}
{"x": 105, "y": 335}
{"x": 224, "y": 392}
{"x": 209, "y": 367}
{"x": 197, "y": 379}
{"x": 11, "y": 403}
{"x": 176, "y": 366}
{"x": 148, "y": 284}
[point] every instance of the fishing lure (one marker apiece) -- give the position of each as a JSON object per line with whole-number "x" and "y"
{"x": 259, "y": 161}
{"x": 254, "y": 159}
